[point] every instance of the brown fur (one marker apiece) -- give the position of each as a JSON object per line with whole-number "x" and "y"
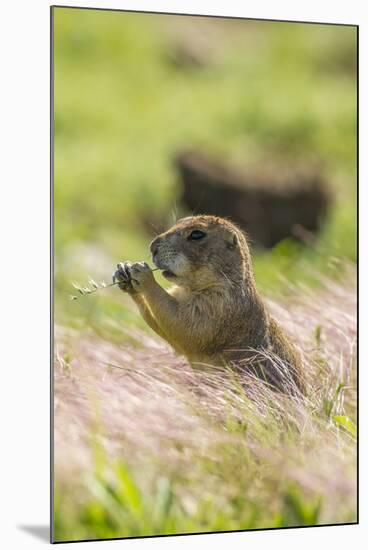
{"x": 213, "y": 313}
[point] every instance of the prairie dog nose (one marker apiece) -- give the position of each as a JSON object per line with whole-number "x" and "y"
{"x": 154, "y": 245}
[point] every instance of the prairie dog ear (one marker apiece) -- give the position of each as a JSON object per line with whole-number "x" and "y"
{"x": 232, "y": 243}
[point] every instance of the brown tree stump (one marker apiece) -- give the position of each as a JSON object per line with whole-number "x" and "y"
{"x": 268, "y": 205}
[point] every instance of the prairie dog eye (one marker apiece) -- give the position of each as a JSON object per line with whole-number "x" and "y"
{"x": 196, "y": 235}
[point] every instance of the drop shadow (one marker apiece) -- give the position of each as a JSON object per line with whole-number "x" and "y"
{"x": 41, "y": 532}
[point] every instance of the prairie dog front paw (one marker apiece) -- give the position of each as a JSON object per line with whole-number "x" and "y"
{"x": 122, "y": 274}
{"x": 141, "y": 276}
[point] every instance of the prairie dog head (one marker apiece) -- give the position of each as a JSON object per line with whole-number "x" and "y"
{"x": 202, "y": 251}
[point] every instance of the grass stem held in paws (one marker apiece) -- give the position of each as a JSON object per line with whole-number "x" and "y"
{"x": 93, "y": 287}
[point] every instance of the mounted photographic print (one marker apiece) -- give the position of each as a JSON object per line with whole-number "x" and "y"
{"x": 204, "y": 181}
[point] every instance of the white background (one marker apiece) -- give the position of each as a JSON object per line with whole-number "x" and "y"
{"x": 24, "y": 284}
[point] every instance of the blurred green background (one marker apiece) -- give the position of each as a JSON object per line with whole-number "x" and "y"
{"x": 124, "y": 107}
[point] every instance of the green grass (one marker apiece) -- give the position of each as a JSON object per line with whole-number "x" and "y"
{"x": 118, "y": 508}
{"x": 145, "y": 446}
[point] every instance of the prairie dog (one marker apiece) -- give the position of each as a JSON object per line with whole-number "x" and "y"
{"x": 213, "y": 313}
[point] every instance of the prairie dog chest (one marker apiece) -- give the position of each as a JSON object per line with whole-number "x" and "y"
{"x": 207, "y": 304}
